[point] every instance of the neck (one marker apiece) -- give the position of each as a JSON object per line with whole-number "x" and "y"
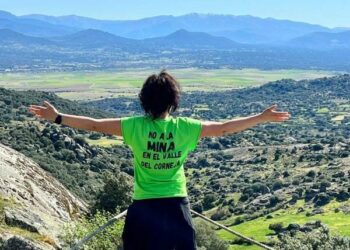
{"x": 164, "y": 115}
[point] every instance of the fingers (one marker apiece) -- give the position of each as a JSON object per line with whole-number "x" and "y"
{"x": 273, "y": 107}
{"x": 37, "y": 107}
{"x": 34, "y": 111}
{"x": 281, "y": 113}
{"x": 283, "y": 116}
{"x": 48, "y": 105}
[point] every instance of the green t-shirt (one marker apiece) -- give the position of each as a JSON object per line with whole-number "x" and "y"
{"x": 160, "y": 148}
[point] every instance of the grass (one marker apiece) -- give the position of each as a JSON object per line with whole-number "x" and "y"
{"x": 103, "y": 84}
{"x": 339, "y": 223}
{"x": 338, "y": 118}
{"x": 323, "y": 111}
{"x": 105, "y": 142}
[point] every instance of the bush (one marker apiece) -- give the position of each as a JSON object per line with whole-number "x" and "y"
{"x": 311, "y": 174}
{"x": 208, "y": 201}
{"x": 277, "y": 227}
{"x": 277, "y": 185}
{"x": 322, "y": 199}
{"x": 95, "y": 136}
{"x": 220, "y": 214}
{"x": 316, "y": 147}
{"x": 108, "y": 239}
{"x": 206, "y": 237}
{"x": 319, "y": 239}
{"x": 197, "y": 207}
{"x": 116, "y": 194}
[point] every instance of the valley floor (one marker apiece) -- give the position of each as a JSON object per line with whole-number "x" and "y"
{"x": 107, "y": 84}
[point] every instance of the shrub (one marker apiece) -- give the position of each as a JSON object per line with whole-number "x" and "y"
{"x": 95, "y": 136}
{"x": 206, "y": 237}
{"x": 277, "y": 227}
{"x": 277, "y": 185}
{"x": 208, "y": 201}
{"x": 320, "y": 239}
{"x": 110, "y": 238}
{"x": 116, "y": 194}
{"x": 311, "y": 174}
{"x": 322, "y": 199}
{"x": 220, "y": 214}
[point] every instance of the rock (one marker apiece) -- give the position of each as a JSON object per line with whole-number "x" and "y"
{"x": 26, "y": 220}
{"x": 68, "y": 142}
{"x": 317, "y": 211}
{"x": 39, "y": 203}
{"x": 301, "y": 209}
{"x": 14, "y": 242}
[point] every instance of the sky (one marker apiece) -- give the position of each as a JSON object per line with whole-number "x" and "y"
{"x": 330, "y": 13}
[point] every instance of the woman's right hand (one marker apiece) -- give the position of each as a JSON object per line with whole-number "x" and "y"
{"x": 271, "y": 115}
{"x": 48, "y": 111}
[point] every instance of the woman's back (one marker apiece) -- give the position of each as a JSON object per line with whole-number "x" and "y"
{"x": 160, "y": 148}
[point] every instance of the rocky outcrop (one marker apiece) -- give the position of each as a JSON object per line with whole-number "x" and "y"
{"x": 36, "y": 202}
{"x": 15, "y": 242}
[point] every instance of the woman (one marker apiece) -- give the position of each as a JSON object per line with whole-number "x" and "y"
{"x": 159, "y": 217}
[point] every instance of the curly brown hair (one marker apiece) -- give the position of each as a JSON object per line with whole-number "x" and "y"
{"x": 160, "y": 93}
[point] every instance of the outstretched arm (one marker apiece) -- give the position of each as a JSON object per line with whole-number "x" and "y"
{"x": 236, "y": 125}
{"x": 49, "y": 112}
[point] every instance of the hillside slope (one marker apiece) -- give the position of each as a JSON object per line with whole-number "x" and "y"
{"x": 33, "y": 203}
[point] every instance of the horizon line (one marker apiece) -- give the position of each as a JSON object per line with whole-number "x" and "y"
{"x": 171, "y": 15}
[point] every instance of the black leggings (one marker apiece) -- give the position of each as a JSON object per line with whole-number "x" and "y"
{"x": 159, "y": 224}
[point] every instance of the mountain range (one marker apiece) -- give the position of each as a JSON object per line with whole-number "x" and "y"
{"x": 238, "y": 29}
{"x": 243, "y": 29}
{"x": 195, "y": 40}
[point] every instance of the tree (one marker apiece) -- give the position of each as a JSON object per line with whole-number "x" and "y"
{"x": 116, "y": 194}
{"x": 208, "y": 201}
{"x": 206, "y": 237}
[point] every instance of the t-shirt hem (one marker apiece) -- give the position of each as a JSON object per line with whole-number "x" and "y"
{"x": 159, "y": 197}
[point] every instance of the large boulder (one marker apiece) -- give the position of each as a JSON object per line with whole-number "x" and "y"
{"x": 36, "y": 201}
{"x": 14, "y": 242}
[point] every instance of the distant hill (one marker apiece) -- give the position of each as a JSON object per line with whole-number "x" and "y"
{"x": 323, "y": 41}
{"x": 191, "y": 40}
{"x": 9, "y": 36}
{"x": 32, "y": 27}
{"x": 244, "y": 29}
{"x": 92, "y": 38}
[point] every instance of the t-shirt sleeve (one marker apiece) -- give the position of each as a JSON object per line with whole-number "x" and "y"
{"x": 192, "y": 129}
{"x": 128, "y": 127}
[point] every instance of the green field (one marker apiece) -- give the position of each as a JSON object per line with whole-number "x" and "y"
{"x": 96, "y": 85}
{"x": 105, "y": 142}
{"x": 259, "y": 228}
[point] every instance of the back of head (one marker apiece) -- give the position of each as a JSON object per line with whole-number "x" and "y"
{"x": 159, "y": 94}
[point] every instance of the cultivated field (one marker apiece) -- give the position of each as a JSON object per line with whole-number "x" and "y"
{"x": 96, "y": 85}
